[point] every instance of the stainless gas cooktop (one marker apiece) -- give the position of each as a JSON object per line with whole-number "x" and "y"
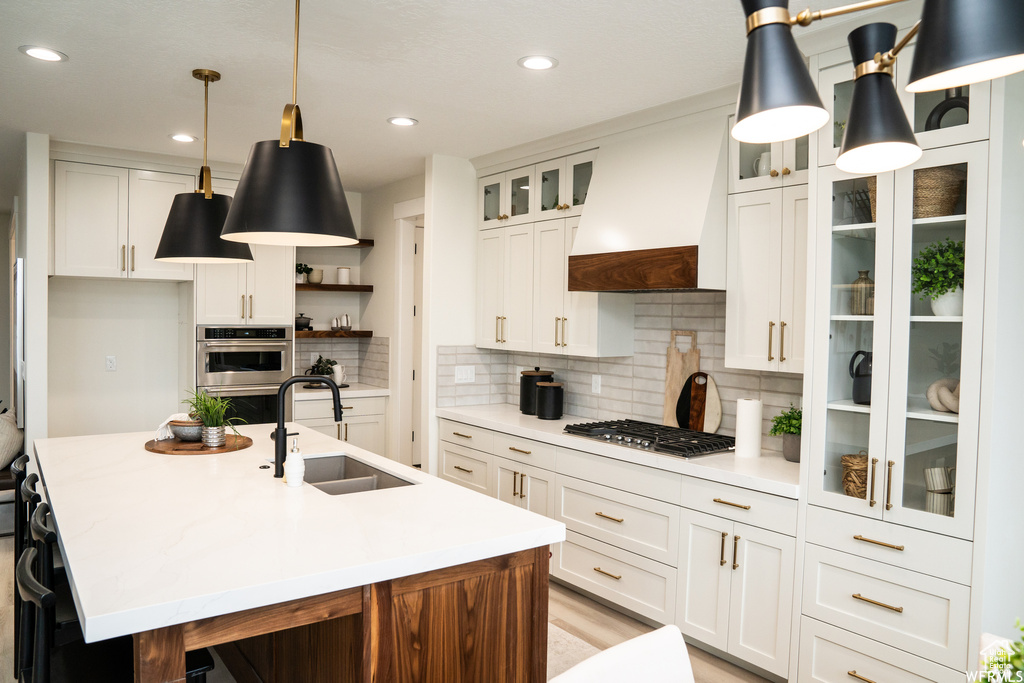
{"x": 648, "y": 436}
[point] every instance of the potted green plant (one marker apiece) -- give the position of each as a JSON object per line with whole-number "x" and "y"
{"x": 322, "y": 366}
{"x": 938, "y": 274}
{"x": 787, "y": 424}
{"x": 212, "y": 412}
{"x": 302, "y": 271}
{"x": 1004, "y": 661}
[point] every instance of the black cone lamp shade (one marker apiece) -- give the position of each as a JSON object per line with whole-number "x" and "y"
{"x": 290, "y": 196}
{"x": 967, "y": 41}
{"x": 878, "y": 137}
{"x": 192, "y": 231}
{"x": 777, "y": 97}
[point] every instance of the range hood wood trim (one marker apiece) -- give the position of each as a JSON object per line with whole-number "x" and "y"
{"x": 642, "y": 269}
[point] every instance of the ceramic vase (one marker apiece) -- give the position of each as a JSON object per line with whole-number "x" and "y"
{"x": 950, "y": 303}
{"x": 214, "y": 437}
{"x": 316, "y": 277}
{"x": 791, "y": 447}
{"x": 300, "y": 278}
{"x": 862, "y": 300}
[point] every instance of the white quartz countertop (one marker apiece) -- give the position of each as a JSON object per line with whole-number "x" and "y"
{"x": 768, "y": 474}
{"x": 154, "y": 540}
{"x": 354, "y": 390}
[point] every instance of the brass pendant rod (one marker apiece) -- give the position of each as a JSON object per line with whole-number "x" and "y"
{"x": 206, "y": 113}
{"x": 295, "y": 58}
{"x": 807, "y": 16}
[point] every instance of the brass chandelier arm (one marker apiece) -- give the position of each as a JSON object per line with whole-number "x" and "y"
{"x": 807, "y": 16}
{"x": 889, "y": 58}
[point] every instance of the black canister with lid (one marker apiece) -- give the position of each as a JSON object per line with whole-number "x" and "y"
{"x": 528, "y": 389}
{"x": 549, "y": 400}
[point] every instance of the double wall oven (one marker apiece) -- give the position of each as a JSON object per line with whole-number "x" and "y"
{"x": 246, "y": 363}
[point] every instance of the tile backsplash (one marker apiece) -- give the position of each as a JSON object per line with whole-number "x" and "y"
{"x": 631, "y": 387}
{"x": 365, "y": 360}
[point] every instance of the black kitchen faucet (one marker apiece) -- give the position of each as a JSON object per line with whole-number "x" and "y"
{"x": 280, "y": 435}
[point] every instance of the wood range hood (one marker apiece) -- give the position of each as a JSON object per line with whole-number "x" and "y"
{"x": 656, "y": 211}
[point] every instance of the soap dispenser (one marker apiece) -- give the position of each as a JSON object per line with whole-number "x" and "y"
{"x": 294, "y": 466}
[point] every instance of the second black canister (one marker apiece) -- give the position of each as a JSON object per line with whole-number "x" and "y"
{"x": 528, "y": 389}
{"x": 549, "y": 400}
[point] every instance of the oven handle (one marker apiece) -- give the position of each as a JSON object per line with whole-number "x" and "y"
{"x": 252, "y": 390}
{"x": 249, "y": 345}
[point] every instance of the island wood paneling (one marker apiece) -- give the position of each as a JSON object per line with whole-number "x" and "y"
{"x": 642, "y": 269}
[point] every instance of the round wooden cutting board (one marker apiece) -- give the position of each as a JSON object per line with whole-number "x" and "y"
{"x": 179, "y": 447}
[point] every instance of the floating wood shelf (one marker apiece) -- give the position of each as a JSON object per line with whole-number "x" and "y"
{"x": 305, "y": 287}
{"x": 323, "y": 334}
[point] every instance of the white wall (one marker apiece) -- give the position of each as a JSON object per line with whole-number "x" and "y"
{"x": 33, "y": 246}
{"x": 5, "y": 297}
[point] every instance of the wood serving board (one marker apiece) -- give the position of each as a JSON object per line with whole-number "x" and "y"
{"x": 700, "y": 406}
{"x": 679, "y": 365}
{"x": 179, "y": 447}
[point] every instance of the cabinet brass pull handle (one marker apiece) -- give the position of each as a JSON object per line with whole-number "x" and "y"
{"x": 601, "y": 571}
{"x": 785, "y": 170}
{"x": 463, "y": 469}
{"x": 347, "y": 408}
{"x": 250, "y": 307}
{"x": 503, "y": 339}
{"x": 522, "y": 484}
{"x": 858, "y": 596}
{"x": 556, "y": 331}
{"x": 464, "y": 436}
{"x": 735, "y": 552}
{"x": 782, "y": 342}
{"x": 123, "y": 262}
{"x": 888, "y": 486}
{"x": 515, "y": 476}
{"x": 773, "y": 173}
{"x": 133, "y": 258}
{"x": 858, "y": 537}
{"x": 564, "y": 321}
{"x": 518, "y": 450}
{"x": 735, "y": 505}
{"x": 771, "y": 330}
{"x": 725, "y": 535}
{"x": 874, "y": 463}
{"x": 497, "y": 329}
{"x": 243, "y": 307}
{"x": 614, "y": 519}
{"x": 859, "y": 677}
{"x": 346, "y": 432}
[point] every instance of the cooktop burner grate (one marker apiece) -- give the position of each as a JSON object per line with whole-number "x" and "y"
{"x": 653, "y": 437}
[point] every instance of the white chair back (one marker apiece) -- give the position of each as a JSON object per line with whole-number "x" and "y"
{"x": 656, "y": 657}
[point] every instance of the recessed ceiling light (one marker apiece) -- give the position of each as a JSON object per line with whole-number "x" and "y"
{"x": 402, "y": 121}
{"x": 43, "y": 53}
{"x": 538, "y": 62}
{"x": 183, "y": 137}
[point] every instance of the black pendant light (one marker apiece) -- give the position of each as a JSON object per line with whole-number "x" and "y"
{"x": 967, "y": 41}
{"x": 878, "y": 137}
{"x": 192, "y": 231}
{"x": 290, "y": 192}
{"x": 777, "y": 98}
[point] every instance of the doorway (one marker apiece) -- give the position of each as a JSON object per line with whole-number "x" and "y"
{"x": 409, "y": 335}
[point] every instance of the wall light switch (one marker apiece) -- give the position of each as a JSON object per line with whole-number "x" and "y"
{"x": 111, "y": 363}
{"x": 465, "y": 374}
{"x": 595, "y": 384}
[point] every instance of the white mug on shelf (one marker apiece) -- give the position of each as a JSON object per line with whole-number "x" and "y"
{"x": 763, "y": 164}
{"x": 339, "y": 374}
{"x": 939, "y": 479}
{"x": 344, "y": 277}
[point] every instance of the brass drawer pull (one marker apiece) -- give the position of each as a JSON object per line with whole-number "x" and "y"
{"x": 725, "y": 535}
{"x": 614, "y": 519}
{"x": 601, "y": 571}
{"x": 735, "y": 505}
{"x": 463, "y": 469}
{"x": 564, "y": 321}
{"x": 888, "y": 486}
{"x": 735, "y": 552}
{"x": 347, "y": 408}
{"x": 522, "y": 484}
{"x": 874, "y": 463}
{"x": 858, "y": 537}
{"x": 345, "y": 438}
{"x": 556, "y": 331}
{"x": 133, "y": 258}
{"x": 464, "y": 436}
{"x": 859, "y": 677}
{"x": 250, "y": 307}
{"x": 782, "y": 342}
{"x": 497, "y": 329}
{"x": 243, "y": 307}
{"x": 123, "y": 247}
{"x": 771, "y": 330}
{"x": 515, "y": 478}
{"x": 858, "y": 596}
{"x": 517, "y": 450}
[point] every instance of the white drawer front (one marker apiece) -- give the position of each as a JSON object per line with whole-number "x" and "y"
{"x": 352, "y": 407}
{"x": 920, "y": 551}
{"x": 641, "y": 525}
{"x": 467, "y": 435}
{"x": 832, "y": 655}
{"x": 742, "y": 505}
{"x": 466, "y": 466}
{"x": 913, "y": 612}
{"x": 524, "y": 450}
{"x": 644, "y": 586}
{"x": 644, "y": 481}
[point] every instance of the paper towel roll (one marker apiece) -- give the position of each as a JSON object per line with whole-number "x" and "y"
{"x": 748, "y": 428}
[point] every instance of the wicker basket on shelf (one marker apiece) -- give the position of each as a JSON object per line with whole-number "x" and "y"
{"x": 937, "y": 191}
{"x": 855, "y": 475}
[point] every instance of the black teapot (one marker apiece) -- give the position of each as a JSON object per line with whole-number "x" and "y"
{"x": 861, "y": 375}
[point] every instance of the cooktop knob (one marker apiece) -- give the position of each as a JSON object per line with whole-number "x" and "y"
{"x": 628, "y": 440}
{"x": 607, "y": 437}
{"x": 646, "y": 444}
{"x": 618, "y": 437}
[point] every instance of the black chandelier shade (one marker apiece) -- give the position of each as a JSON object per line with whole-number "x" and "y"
{"x": 967, "y": 41}
{"x": 290, "y": 196}
{"x": 192, "y": 231}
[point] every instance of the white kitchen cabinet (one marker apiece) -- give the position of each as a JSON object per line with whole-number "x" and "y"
{"x": 507, "y": 198}
{"x": 525, "y": 486}
{"x": 107, "y": 221}
{"x": 564, "y": 183}
{"x": 766, "y": 280}
{"x": 505, "y": 288}
{"x": 367, "y": 431}
{"x": 760, "y": 166}
{"x": 735, "y": 589}
{"x": 466, "y": 467}
{"x": 364, "y": 420}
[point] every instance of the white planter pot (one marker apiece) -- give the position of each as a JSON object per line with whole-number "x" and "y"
{"x": 950, "y": 303}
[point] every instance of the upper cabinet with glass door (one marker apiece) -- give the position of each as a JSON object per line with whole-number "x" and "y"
{"x": 507, "y": 198}
{"x": 564, "y": 184}
{"x": 767, "y": 165}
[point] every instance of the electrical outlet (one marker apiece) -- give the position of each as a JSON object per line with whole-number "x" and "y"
{"x": 111, "y": 363}
{"x": 595, "y": 384}
{"x": 465, "y": 374}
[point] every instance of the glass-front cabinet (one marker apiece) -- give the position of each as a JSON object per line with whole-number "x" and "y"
{"x": 564, "y": 184}
{"x": 754, "y": 166}
{"x": 505, "y": 198}
{"x": 895, "y": 399}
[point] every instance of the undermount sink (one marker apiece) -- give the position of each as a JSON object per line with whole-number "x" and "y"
{"x": 339, "y": 474}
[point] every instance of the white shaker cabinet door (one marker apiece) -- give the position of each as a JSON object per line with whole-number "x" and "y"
{"x": 271, "y": 285}
{"x": 490, "y": 286}
{"x": 90, "y": 220}
{"x": 705, "y": 571}
{"x": 793, "y": 280}
{"x": 151, "y": 194}
{"x": 549, "y": 286}
{"x": 517, "y": 318}
{"x": 220, "y": 293}
{"x": 367, "y": 432}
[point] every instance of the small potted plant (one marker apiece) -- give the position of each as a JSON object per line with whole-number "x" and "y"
{"x": 212, "y": 412}
{"x": 302, "y": 271}
{"x": 938, "y": 274}
{"x": 787, "y": 424}
{"x": 1004, "y": 661}
{"x": 322, "y": 366}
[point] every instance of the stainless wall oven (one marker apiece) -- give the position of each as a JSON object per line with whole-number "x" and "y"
{"x": 247, "y": 364}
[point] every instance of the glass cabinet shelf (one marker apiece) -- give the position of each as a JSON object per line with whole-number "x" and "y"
{"x": 847, "y": 405}
{"x": 941, "y": 221}
{"x": 853, "y": 318}
{"x": 936, "y": 318}
{"x": 856, "y": 230}
{"x": 919, "y": 409}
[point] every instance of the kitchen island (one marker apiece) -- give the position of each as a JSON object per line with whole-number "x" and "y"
{"x": 421, "y": 582}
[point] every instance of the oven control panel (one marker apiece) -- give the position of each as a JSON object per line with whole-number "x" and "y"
{"x": 246, "y": 332}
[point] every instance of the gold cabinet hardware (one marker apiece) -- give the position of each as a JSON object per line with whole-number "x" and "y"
{"x": 515, "y": 476}
{"x": 250, "y": 307}
{"x": 785, "y": 170}
{"x": 725, "y": 535}
{"x": 522, "y": 484}
{"x": 346, "y": 407}
{"x": 735, "y": 505}
{"x": 888, "y": 485}
{"x": 133, "y": 258}
{"x": 463, "y": 469}
{"x": 601, "y": 571}
{"x": 771, "y": 330}
{"x": 860, "y": 597}
{"x": 858, "y": 537}
{"x": 564, "y": 321}
{"x": 556, "y": 331}
{"x": 519, "y": 450}
{"x": 614, "y": 519}
{"x": 497, "y": 329}
{"x": 503, "y": 326}
{"x": 345, "y": 438}
{"x": 773, "y": 173}
{"x": 859, "y": 677}
{"x": 874, "y": 464}
{"x": 735, "y": 552}
{"x": 782, "y": 342}
{"x": 123, "y": 266}
{"x": 464, "y": 436}
{"x": 243, "y": 307}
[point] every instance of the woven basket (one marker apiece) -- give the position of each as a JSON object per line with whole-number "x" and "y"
{"x": 855, "y": 475}
{"x": 873, "y": 196}
{"x": 937, "y": 191}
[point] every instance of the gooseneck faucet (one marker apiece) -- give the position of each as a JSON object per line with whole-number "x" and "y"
{"x": 280, "y": 433}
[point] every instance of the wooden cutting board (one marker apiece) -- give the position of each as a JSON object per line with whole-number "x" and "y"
{"x": 700, "y": 405}
{"x": 679, "y": 365}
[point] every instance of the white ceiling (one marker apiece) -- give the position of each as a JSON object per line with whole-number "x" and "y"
{"x": 449, "y": 63}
